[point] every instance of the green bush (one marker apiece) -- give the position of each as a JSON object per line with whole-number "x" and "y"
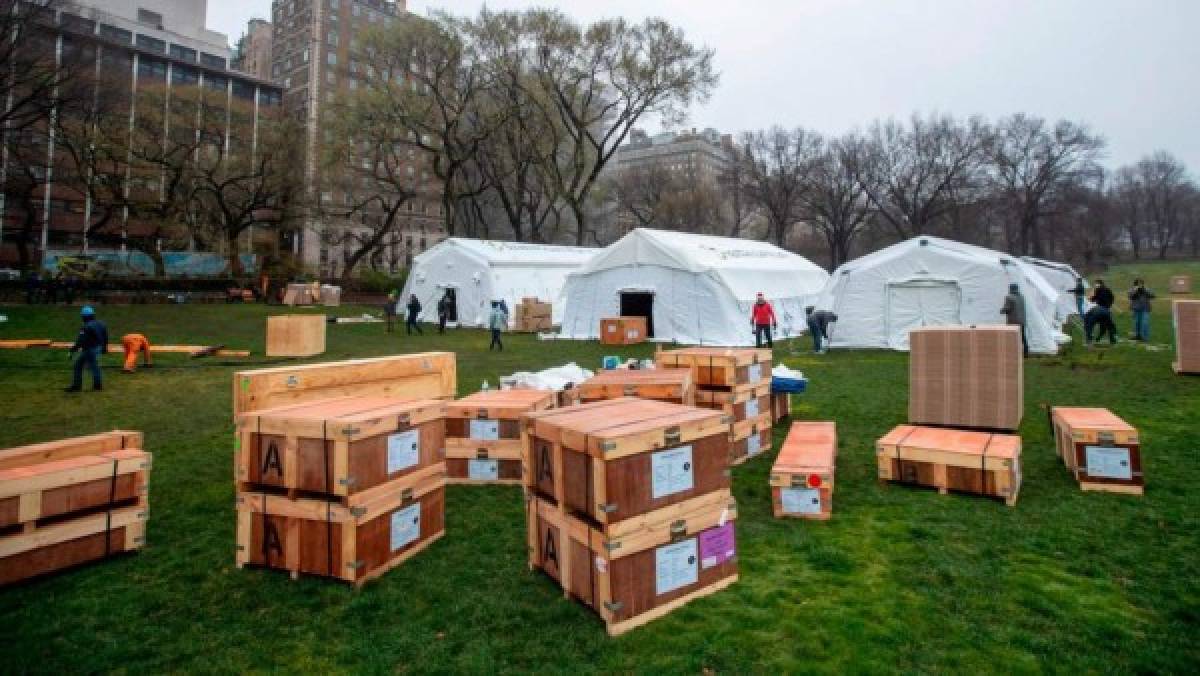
{"x": 377, "y": 281}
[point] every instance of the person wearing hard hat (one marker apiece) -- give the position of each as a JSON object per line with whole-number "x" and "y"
{"x": 91, "y": 342}
{"x": 133, "y": 343}
{"x": 1014, "y": 312}
{"x": 762, "y": 318}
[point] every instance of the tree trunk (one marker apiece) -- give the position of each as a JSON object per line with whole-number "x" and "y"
{"x": 577, "y": 211}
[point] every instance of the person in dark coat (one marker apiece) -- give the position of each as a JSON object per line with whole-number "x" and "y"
{"x": 1014, "y": 312}
{"x": 443, "y": 311}
{"x": 32, "y": 284}
{"x": 91, "y": 342}
{"x": 389, "y": 309}
{"x": 1140, "y": 301}
{"x": 818, "y": 326}
{"x": 1103, "y": 299}
{"x": 414, "y": 310}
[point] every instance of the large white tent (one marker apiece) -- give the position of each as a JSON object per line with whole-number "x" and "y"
{"x": 1062, "y": 277}
{"x": 478, "y": 272}
{"x": 928, "y": 281}
{"x": 694, "y": 289}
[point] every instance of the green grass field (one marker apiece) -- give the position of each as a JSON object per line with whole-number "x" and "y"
{"x": 900, "y": 579}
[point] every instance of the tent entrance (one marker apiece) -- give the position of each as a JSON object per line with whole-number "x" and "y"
{"x": 452, "y": 312}
{"x": 639, "y": 304}
{"x": 913, "y": 304}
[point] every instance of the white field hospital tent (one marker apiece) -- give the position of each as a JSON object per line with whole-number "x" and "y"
{"x": 476, "y": 272}
{"x": 1062, "y": 277}
{"x": 693, "y": 289}
{"x": 928, "y": 281}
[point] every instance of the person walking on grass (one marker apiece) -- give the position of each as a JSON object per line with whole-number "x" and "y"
{"x": 91, "y": 342}
{"x": 762, "y": 318}
{"x": 414, "y": 310}
{"x": 1140, "y": 301}
{"x": 1014, "y": 312}
{"x": 1098, "y": 316}
{"x": 389, "y": 309}
{"x": 1103, "y": 298}
{"x": 443, "y": 310}
{"x": 497, "y": 322}
{"x": 818, "y": 326}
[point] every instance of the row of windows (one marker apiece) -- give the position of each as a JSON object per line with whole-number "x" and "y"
{"x": 123, "y": 36}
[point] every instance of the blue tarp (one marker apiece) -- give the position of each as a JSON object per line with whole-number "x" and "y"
{"x": 177, "y": 263}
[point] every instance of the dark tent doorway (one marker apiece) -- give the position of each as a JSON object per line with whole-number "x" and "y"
{"x": 639, "y": 304}
{"x": 452, "y": 312}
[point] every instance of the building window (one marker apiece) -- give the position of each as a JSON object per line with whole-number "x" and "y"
{"x": 266, "y": 97}
{"x": 331, "y": 77}
{"x": 331, "y": 58}
{"x": 333, "y": 4}
{"x": 149, "y": 18}
{"x": 355, "y": 9}
{"x": 243, "y": 90}
{"x": 184, "y": 75}
{"x": 183, "y": 53}
{"x": 212, "y": 60}
{"x": 152, "y": 44}
{"x": 152, "y": 69}
{"x": 116, "y": 34}
{"x": 216, "y": 82}
{"x": 304, "y": 56}
{"x": 332, "y": 38}
{"x": 77, "y": 23}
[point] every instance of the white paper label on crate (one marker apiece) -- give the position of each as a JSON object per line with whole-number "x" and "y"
{"x": 631, "y": 334}
{"x": 800, "y": 500}
{"x": 612, "y": 328}
{"x": 755, "y": 373}
{"x": 752, "y": 409}
{"x": 406, "y": 526}
{"x": 485, "y": 430}
{"x": 403, "y": 451}
{"x": 675, "y": 566}
{"x": 753, "y": 444}
{"x": 1109, "y": 462}
{"x": 671, "y": 472}
{"x": 483, "y": 469}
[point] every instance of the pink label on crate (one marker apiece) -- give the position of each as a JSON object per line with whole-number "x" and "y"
{"x": 717, "y": 546}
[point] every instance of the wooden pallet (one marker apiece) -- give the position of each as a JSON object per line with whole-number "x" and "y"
{"x": 952, "y": 460}
{"x": 483, "y": 435}
{"x": 1102, "y": 451}
{"x": 720, "y": 367}
{"x": 802, "y": 478}
{"x": 671, "y": 385}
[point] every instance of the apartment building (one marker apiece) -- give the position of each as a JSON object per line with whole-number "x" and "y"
{"x": 696, "y": 155}
{"x": 253, "y": 55}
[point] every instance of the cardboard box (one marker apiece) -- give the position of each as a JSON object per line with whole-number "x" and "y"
{"x": 966, "y": 377}
{"x": 1185, "y": 315}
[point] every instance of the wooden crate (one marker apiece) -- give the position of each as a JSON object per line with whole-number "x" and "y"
{"x": 301, "y": 294}
{"x": 1186, "y": 317}
{"x": 617, "y": 459}
{"x": 952, "y": 460}
{"x": 745, "y": 402}
{"x": 749, "y": 438}
{"x": 483, "y": 434}
{"x": 673, "y": 385}
{"x": 623, "y": 330}
{"x": 48, "y": 492}
{"x": 344, "y": 448}
{"x": 781, "y": 406}
{"x": 66, "y": 544}
{"x": 720, "y": 367}
{"x": 670, "y": 558}
{"x": 295, "y": 335}
{"x": 354, "y": 544}
{"x": 970, "y": 377}
{"x": 802, "y": 476}
{"x": 1181, "y": 284}
{"x": 422, "y": 375}
{"x": 1101, "y": 450}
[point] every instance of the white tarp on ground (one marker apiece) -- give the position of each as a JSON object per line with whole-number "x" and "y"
{"x": 1062, "y": 277}
{"x": 481, "y": 271}
{"x": 702, "y": 286}
{"x": 928, "y": 281}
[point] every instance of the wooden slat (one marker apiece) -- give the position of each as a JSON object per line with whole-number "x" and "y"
{"x": 73, "y": 447}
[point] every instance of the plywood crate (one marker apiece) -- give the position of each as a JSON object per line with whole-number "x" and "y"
{"x": 1100, "y": 449}
{"x": 952, "y": 460}
{"x": 781, "y": 406}
{"x": 354, "y": 544}
{"x": 720, "y": 367}
{"x": 623, "y": 330}
{"x": 670, "y": 558}
{"x": 750, "y": 438}
{"x": 301, "y": 294}
{"x": 673, "y": 385}
{"x": 71, "y": 501}
{"x": 614, "y": 460}
{"x": 345, "y": 448}
{"x": 422, "y": 375}
{"x": 1186, "y": 317}
{"x": 295, "y": 335}
{"x": 743, "y": 402}
{"x": 802, "y": 476}
{"x": 483, "y": 434}
{"x": 969, "y": 377}
{"x": 1181, "y": 284}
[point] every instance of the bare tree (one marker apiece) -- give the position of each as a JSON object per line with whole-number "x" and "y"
{"x": 1166, "y": 191}
{"x": 778, "y": 164}
{"x": 735, "y": 196}
{"x": 835, "y": 201}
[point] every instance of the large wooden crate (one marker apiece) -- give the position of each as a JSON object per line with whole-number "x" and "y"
{"x": 781, "y": 406}
{"x": 952, "y": 460}
{"x": 295, "y": 335}
{"x": 966, "y": 377}
{"x": 345, "y": 448}
{"x": 672, "y": 557}
{"x": 623, "y": 330}
{"x": 1186, "y": 317}
{"x": 423, "y": 375}
{"x": 673, "y": 385}
{"x": 721, "y": 367}
{"x": 1181, "y": 284}
{"x": 301, "y": 294}
{"x": 71, "y": 501}
{"x": 748, "y": 407}
{"x": 483, "y": 434}
{"x": 354, "y": 544}
{"x": 802, "y": 476}
{"x": 749, "y": 438}
{"x": 614, "y": 460}
{"x": 1102, "y": 451}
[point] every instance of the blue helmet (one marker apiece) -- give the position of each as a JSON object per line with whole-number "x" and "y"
{"x": 87, "y": 311}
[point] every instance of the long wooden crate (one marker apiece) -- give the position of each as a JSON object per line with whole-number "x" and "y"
{"x": 353, "y": 544}
{"x": 1102, "y": 451}
{"x": 622, "y": 330}
{"x": 617, "y": 459}
{"x": 483, "y": 434}
{"x": 672, "y": 385}
{"x": 1186, "y": 317}
{"x": 51, "y": 491}
{"x": 422, "y": 375}
{"x": 952, "y": 460}
{"x": 744, "y": 402}
{"x": 802, "y": 476}
{"x": 342, "y": 448}
{"x": 295, "y": 335}
{"x": 73, "y": 542}
{"x": 963, "y": 376}
{"x": 671, "y": 558}
{"x": 720, "y": 367}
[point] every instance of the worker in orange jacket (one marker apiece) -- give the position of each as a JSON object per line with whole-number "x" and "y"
{"x": 134, "y": 343}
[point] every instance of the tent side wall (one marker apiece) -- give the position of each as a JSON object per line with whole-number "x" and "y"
{"x": 450, "y": 267}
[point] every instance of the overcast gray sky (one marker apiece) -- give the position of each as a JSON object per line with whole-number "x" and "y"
{"x": 1128, "y": 68}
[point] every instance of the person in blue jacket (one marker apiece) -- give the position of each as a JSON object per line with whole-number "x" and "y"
{"x": 91, "y": 342}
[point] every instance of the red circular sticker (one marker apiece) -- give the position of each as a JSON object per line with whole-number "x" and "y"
{"x": 814, "y": 480}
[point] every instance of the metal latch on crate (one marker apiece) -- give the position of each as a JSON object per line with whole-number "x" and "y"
{"x": 355, "y": 565}
{"x": 357, "y": 511}
{"x": 481, "y": 454}
{"x": 406, "y": 494}
{"x": 404, "y": 420}
{"x": 350, "y": 431}
{"x": 1105, "y": 437}
{"x": 613, "y": 606}
{"x": 678, "y": 529}
{"x": 482, "y": 414}
{"x": 630, "y": 390}
{"x": 607, "y": 507}
{"x": 799, "y": 481}
{"x": 347, "y": 481}
{"x": 672, "y": 435}
{"x": 726, "y": 420}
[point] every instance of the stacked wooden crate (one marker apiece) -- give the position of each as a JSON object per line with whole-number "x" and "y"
{"x": 671, "y": 385}
{"x": 629, "y": 505}
{"x": 532, "y": 315}
{"x": 736, "y": 381}
{"x": 483, "y": 434}
{"x": 71, "y": 501}
{"x": 1186, "y": 316}
{"x": 1100, "y": 449}
{"x": 802, "y": 476}
{"x": 295, "y": 335}
{"x": 623, "y": 330}
{"x": 967, "y": 461}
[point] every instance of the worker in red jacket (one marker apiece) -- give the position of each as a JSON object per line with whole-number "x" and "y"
{"x": 762, "y": 318}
